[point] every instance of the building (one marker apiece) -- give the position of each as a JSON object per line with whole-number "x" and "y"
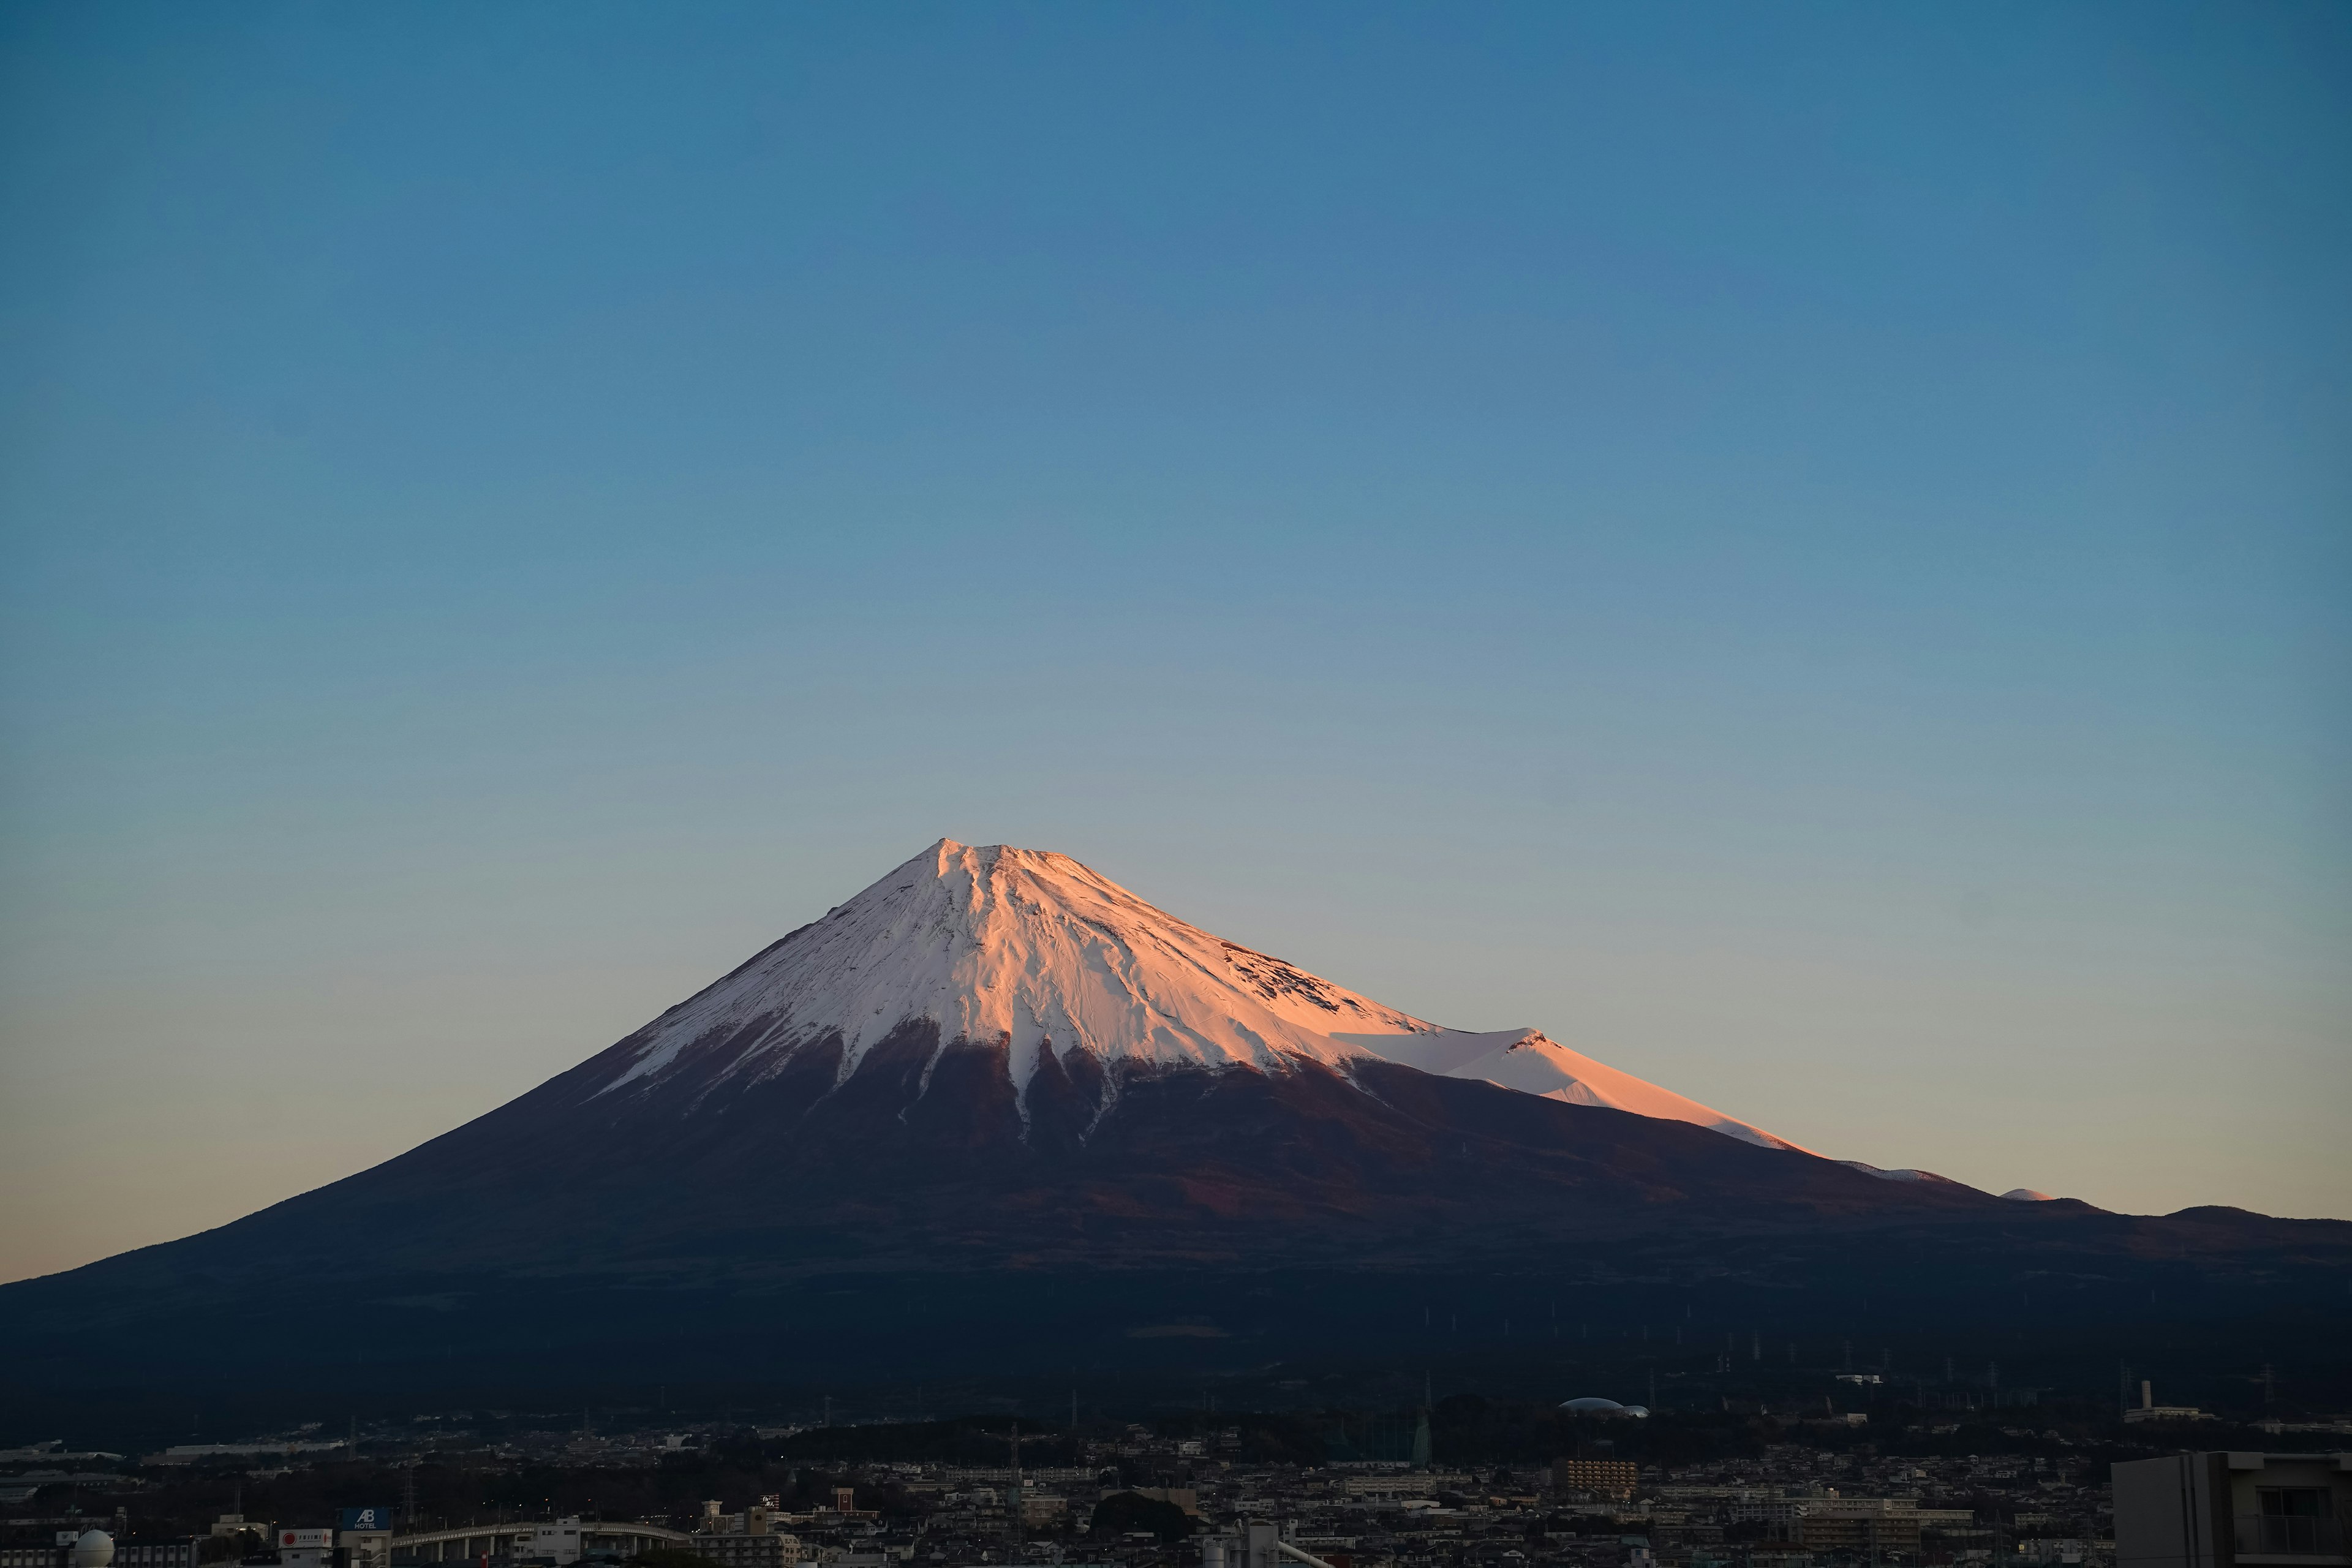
{"x": 1407, "y": 1485}
{"x": 94, "y": 1548}
{"x": 1602, "y": 1478}
{"x": 305, "y": 1548}
{"x": 2223, "y": 1510}
{"x": 767, "y": 1549}
{"x": 1858, "y": 1524}
{"x": 364, "y": 1536}
{"x": 749, "y": 1538}
{"x": 158, "y": 1552}
{"x": 2149, "y": 1410}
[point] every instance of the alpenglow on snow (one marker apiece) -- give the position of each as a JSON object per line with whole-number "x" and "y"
{"x": 1032, "y": 951}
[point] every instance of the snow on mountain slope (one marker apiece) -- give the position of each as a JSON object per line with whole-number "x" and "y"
{"x": 1530, "y": 1061}
{"x": 1029, "y": 948}
{"x": 1901, "y": 1175}
{"x": 993, "y": 941}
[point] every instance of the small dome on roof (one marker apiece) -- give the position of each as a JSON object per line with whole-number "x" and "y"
{"x": 95, "y": 1548}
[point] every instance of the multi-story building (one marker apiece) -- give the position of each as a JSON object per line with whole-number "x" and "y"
{"x": 131, "y": 1550}
{"x": 2228, "y": 1509}
{"x": 749, "y": 1538}
{"x": 1858, "y": 1524}
{"x": 1602, "y": 1478}
{"x": 769, "y": 1550}
{"x": 156, "y": 1552}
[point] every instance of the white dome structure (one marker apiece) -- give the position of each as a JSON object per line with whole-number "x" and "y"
{"x": 95, "y": 1548}
{"x": 1591, "y": 1405}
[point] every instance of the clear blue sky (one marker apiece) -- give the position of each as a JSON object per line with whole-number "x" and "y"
{"x": 1802, "y": 549}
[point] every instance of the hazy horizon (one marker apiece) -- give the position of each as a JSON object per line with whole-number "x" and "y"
{"x": 1801, "y": 552}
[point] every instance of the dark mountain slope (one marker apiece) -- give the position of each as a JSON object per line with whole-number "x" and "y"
{"x": 806, "y": 1148}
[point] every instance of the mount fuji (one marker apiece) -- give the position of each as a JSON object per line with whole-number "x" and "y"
{"x": 1036, "y": 957}
{"x": 996, "y": 1094}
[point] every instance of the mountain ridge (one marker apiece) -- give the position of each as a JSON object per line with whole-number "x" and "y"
{"x": 1003, "y": 1071}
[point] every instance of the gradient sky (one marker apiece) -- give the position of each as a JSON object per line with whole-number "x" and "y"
{"x": 1806, "y": 551}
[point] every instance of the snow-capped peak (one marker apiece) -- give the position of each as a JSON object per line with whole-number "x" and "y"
{"x": 1035, "y": 951}
{"x": 993, "y": 942}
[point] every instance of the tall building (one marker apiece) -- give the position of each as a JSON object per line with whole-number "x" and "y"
{"x": 1603, "y": 1478}
{"x": 2228, "y": 1509}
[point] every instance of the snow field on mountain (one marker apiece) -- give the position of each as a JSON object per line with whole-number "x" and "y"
{"x": 1532, "y": 1062}
{"x": 992, "y": 942}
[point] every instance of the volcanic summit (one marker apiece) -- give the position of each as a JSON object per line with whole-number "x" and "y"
{"x": 996, "y": 1087}
{"x": 1034, "y": 955}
